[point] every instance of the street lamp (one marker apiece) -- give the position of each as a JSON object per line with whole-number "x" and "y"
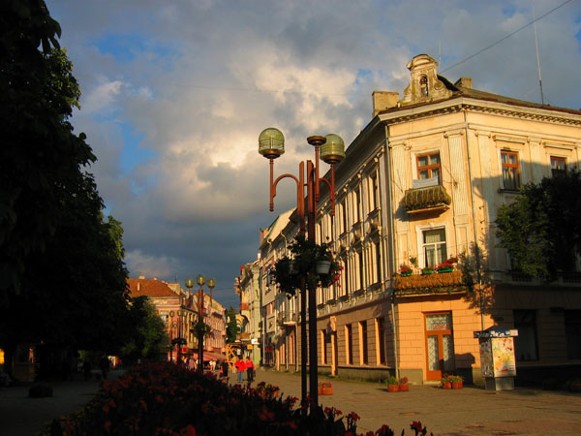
{"x": 330, "y": 149}
{"x": 200, "y": 325}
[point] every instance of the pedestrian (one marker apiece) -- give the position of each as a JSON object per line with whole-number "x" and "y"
{"x": 240, "y": 368}
{"x": 249, "y": 369}
{"x": 224, "y": 367}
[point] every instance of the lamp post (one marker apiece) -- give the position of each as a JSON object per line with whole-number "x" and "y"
{"x": 330, "y": 149}
{"x": 200, "y": 330}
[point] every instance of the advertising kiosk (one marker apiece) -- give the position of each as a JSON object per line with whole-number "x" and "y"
{"x": 497, "y": 358}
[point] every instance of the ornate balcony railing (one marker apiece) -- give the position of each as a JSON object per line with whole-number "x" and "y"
{"x": 431, "y": 198}
{"x": 430, "y": 284}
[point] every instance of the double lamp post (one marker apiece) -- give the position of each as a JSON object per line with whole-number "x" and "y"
{"x": 200, "y": 326}
{"x": 330, "y": 149}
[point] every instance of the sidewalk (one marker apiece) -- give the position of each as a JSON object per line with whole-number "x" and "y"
{"x": 470, "y": 411}
{"x": 21, "y": 415}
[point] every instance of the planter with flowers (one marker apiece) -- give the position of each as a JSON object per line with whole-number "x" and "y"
{"x": 427, "y": 271}
{"x": 405, "y": 270}
{"x": 445, "y": 382}
{"x": 452, "y": 382}
{"x": 456, "y": 381}
{"x": 403, "y": 384}
{"x": 392, "y": 384}
{"x": 307, "y": 263}
{"x": 447, "y": 265}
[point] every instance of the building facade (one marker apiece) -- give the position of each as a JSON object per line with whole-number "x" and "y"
{"x": 178, "y": 308}
{"x": 417, "y": 196}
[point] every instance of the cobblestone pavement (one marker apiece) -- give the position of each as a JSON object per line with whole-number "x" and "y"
{"x": 470, "y": 411}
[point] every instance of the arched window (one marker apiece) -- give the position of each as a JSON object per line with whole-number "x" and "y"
{"x": 424, "y": 91}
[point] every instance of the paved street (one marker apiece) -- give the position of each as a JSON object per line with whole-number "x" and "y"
{"x": 470, "y": 411}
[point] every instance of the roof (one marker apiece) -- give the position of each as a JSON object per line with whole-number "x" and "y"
{"x": 149, "y": 288}
{"x": 461, "y": 91}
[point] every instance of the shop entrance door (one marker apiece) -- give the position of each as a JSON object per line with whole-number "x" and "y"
{"x": 439, "y": 345}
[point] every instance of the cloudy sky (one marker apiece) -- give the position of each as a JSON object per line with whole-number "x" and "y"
{"x": 176, "y": 92}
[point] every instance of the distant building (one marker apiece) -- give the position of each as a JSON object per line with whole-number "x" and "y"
{"x": 178, "y": 308}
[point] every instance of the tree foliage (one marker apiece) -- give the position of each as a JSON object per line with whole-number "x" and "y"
{"x": 62, "y": 275}
{"x": 542, "y": 228}
{"x": 41, "y": 157}
{"x": 231, "y": 326}
{"x": 148, "y": 337}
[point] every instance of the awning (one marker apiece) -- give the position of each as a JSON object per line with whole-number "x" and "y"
{"x": 426, "y": 199}
{"x": 209, "y": 355}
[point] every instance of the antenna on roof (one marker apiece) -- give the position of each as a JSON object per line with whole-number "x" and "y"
{"x": 538, "y": 56}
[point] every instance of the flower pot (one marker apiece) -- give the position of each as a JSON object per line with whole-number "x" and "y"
{"x": 323, "y": 266}
{"x": 404, "y": 387}
{"x": 457, "y": 385}
{"x": 392, "y": 388}
{"x": 325, "y": 388}
{"x": 406, "y": 274}
{"x": 447, "y": 385}
{"x": 445, "y": 270}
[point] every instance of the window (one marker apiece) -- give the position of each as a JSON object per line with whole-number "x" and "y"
{"x": 374, "y": 193}
{"x": 510, "y": 170}
{"x": 357, "y": 205}
{"x": 343, "y": 287}
{"x": 364, "y": 348}
{"x": 429, "y": 166}
{"x": 349, "y": 344}
{"x": 434, "y": 247}
{"x": 573, "y": 333}
{"x": 558, "y": 165}
{"x": 361, "y": 270}
{"x": 380, "y": 338}
{"x": 343, "y": 217}
{"x": 377, "y": 246}
{"x": 323, "y": 340}
{"x": 526, "y": 342}
{"x": 424, "y": 90}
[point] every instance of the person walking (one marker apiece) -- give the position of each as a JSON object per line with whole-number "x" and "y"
{"x": 240, "y": 368}
{"x": 224, "y": 368}
{"x": 249, "y": 369}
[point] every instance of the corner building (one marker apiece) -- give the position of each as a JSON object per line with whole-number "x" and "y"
{"x": 422, "y": 184}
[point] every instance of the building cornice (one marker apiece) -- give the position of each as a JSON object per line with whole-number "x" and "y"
{"x": 545, "y": 114}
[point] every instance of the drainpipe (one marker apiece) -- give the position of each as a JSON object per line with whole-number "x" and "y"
{"x": 391, "y": 251}
{"x": 474, "y": 229}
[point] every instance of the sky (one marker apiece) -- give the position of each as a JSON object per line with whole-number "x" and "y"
{"x": 176, "y": 92}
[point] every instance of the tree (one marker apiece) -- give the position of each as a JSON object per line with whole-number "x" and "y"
{"x": 231, "y": 327}
{"x": 542, "y": 230}
{"x": 41, "y": 157}
{"x": 62, "y": 275}
{"x": 148, "y": 338}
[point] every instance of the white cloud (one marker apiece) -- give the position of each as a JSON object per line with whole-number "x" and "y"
{"x": 102, "y": 97}
{"x": 211, "y": 75}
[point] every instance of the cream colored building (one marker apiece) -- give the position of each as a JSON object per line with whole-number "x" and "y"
{"x": 423, "y": 181}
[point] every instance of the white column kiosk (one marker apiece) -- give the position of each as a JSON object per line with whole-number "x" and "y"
{"x": 497, "y": 358}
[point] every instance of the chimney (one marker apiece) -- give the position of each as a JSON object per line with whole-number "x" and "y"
{"x": 464, "y": 82}
{"x": 384, "y": 100}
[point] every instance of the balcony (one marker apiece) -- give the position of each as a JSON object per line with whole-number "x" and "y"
{"x": 447, "y": 283}
{"x": 287, "y": 318}
{"x": 426, "y": 199}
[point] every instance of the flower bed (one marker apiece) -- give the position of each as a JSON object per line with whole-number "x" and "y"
{"x": 166, "y": 399}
